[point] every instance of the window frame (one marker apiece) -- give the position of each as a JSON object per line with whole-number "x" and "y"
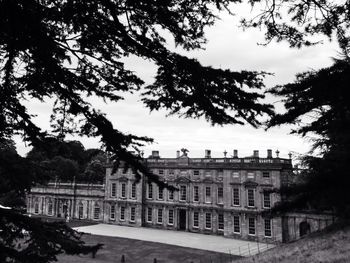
{"x": 269, "y": 229}
{"x": 113, "y": 189}
{"x": 234, "y": 217}
{"x": 235, "y": 198}
{"x": 132, "y": 213}
{"x": 208, "y": 198}
{"x": 195, "y": 193}
{"x": 160, "y": 216}
{"x": 249, "y": 199}
{"x": 171, "y": 222}
{"x": 210, "y": 221}
{"x": 266, "y": 202}
{"x": 183, "y": 193}
{"x": 221, "y": 222}
{"x": 250, "y": 227}
{"x": 195, "y": 222}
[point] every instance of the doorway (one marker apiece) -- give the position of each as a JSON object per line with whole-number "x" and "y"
{"x": 304, "y": 228}
{"x": 182, "y": 219}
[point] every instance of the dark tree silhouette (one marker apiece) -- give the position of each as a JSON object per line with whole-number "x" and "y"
{"x": 319, "y": 103}
{"x": 71, "y": 50}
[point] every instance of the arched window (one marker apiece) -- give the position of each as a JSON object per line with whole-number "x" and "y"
{"x": 304, "y": 228}
{"x": 50, "y": 207}
{"x": 81, "y": 210}
{"x": 36, "y": 205}
{"x": 97, "y": 211}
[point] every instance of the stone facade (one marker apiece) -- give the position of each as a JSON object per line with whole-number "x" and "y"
{"x": 223, "y": 196}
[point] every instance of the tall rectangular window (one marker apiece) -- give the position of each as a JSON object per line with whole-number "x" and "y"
{"x": 267, "y": 200}
{"x": 160, "y": 193}
{"x": 183, "y": 193}
{"x": 123, "y": 194}
{"x": 150, "y": 191}
{"x": 113, "y": 189}
{"x": 161, "y": 172}
{"x": 170, "y": 216}
{"x": 96, "y": 212}
{"x": 160, "y": 215}
{"x": 236, "y": 224}
{"x": 132, "y": 214}
{"x": 195, "y": 219}
{"x": 251, "y": 226}
{"x": 195, "y": 193}
{"x": 220, "y": 195}
{"x": 267, "y": 226}
{"x": 50, "y": 207}
{"x": 235, "y": 194}
{"x": 122, "y": 213}
{"x": 221, "y": 221}
{"x": 208, "y": 194}
{"x": 251, "y": 198}
{"x": 112, "y": 212}
{"x": 149, "y": 214}
{"x": 133, "y": 190}
{"x": 170, "y": 195}
{"x": 208, "y": 220}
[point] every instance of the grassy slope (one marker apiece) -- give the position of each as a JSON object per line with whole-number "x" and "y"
{"x": 332, "y": 245}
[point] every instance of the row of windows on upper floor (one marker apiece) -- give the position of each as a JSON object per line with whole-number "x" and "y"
{"x": 183, "y": 194}
{"x": 234, "y": 174}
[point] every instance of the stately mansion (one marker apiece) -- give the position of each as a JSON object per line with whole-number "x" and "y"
{"x": 223, "y": 196}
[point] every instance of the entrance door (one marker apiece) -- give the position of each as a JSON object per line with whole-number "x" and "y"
{"x": 304, "y": 228}
{"x": 182, "y": 219}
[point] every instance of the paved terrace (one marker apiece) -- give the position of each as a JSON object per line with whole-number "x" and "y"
{"x": 177, "y": 238}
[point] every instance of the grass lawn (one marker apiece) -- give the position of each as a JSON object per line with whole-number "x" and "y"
{"x": 137, "y": 251}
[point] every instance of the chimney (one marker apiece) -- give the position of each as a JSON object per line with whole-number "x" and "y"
{"x": 177, "y": 154}
{"x": 155, "y": 154}
{"x": 256, "y": 154}
{"x": 235, "y": 153}
{"x": 207, "y": 154}
{"x": 269, "y": 153}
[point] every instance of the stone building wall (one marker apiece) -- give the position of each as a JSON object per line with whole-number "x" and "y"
{"x": 212, "y": 197}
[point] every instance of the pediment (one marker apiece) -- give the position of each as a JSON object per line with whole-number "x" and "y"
{"x": 250, "y": 184}
{"x": 208, "y": 180}
{"x": 182, "y": 180}
{"x": 123, "y": 179}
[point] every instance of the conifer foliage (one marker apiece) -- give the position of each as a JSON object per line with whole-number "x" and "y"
{"x": 70, "y": 50}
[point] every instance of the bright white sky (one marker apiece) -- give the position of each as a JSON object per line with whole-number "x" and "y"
{"x": 228, "y": 48}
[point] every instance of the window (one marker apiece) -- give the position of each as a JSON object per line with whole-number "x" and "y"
{"x": 235, "y": 174}
{"x": 208, "y": 194}
{"x": 50, "y": 207}
{"x": 36, "y": 207}
{"x": 122, "y": 213}
{"x": 183, "y": 193}
{"x": 81, "y": 211}
{"x": 171, "y": 172}
{"x": 123, "y": 190}
{"x": 112, "y": 212}
{"x": 113, "y": 189}
{"x": 267, "y": 224}
{"x": 221, "y": 222}
{"x": 132, "y": 214}
{"x": 160, "y": 216}
{"x": 195, "y": 193}
{"x": 267, "y": 200}
{"x": 266, "y": 175}
{"x": 208, "y": 220}
{"x": 125, "y": 171}
{"x": 170, "y": 195}
{"x": 251, "y": 226}
{"x": 150, "y": 191}
{"x": 149, "y": 214}
{"x": 195, "y": 172}
{"x": 250, "y": 175}
{"x": 251, "y": 198}
{"x": 161, "y": 172}
{"x": 170, "y": 216}
{"x": 96, "y": 211}
{"x": 236, "y": 224}
{"x": 160, "y": 193}
{"x": 220, "y": 194}
{"x": 195, "y": 219}
{"x": 236, "y": 198}
{"x": 133, "y": 190}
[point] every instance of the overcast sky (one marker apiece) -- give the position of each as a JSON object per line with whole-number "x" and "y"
{"x": 228, "y": 48}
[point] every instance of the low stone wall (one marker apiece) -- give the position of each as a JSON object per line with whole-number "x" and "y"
{"x": 297, "y": 225}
